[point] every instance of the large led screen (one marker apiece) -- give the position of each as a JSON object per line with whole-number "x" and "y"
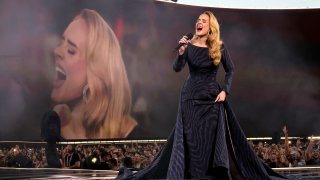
{"x": 111, "y": 76}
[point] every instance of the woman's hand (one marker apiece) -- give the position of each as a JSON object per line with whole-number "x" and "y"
{"x": 285, "y": 130}
{"x": 184, "y": 41}
{"x": 221, "y": 97}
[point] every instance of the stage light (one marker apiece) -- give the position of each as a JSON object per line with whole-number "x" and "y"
{"x": 314, "y": 137}
{"x": 251, "y": 4}
{"x": 94, "y": 160}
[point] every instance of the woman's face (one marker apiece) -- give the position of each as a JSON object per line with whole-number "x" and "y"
{"x": 202, "y": 25}
{"x": 71, "y": 71}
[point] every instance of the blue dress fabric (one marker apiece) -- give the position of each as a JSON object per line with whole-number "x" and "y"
{"x": 207, "y": 135}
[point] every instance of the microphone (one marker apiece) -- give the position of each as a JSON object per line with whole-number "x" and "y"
{"x": 189, "y": 36}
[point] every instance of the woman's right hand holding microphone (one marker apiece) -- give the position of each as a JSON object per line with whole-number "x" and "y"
{"x": 184, "y": 40}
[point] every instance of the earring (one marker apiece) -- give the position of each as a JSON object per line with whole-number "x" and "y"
{"x": 85, "y": 93}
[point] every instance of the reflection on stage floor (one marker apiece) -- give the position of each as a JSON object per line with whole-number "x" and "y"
{"x": 52, "y": 173}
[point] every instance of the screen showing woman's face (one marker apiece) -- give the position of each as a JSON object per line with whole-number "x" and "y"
{"x": 71, "y": 75}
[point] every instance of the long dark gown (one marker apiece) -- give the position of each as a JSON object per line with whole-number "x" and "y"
{"x": 207, "y": 141}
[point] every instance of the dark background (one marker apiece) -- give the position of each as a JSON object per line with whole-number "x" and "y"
{"x": 275, "y": 52}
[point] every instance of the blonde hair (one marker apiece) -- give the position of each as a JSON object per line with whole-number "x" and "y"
{"x": 214, "y": 41}
{"x": 108, "y": 103}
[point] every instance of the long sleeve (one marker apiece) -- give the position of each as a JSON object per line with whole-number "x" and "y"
{"x": 228, "y": 68}
{"x": 179, "y": 62}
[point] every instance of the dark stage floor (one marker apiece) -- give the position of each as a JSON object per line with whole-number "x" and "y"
{"x": 46, "y": 173}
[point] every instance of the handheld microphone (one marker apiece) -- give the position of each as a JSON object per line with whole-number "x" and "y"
{"x": 189, "y": 36}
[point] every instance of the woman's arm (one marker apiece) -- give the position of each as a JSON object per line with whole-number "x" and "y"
{"x": 286, "y": 140}
{"x": 181, "y": 57}
{"x": 308, "y": 152}
{"x": 228, "y": 68}
{"x": 179, "y": 63}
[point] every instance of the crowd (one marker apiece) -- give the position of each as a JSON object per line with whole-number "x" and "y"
{"x": 104, "y": 156}
{"x": 300, "y": 152}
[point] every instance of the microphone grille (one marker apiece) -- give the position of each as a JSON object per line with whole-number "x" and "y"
{"x": 190, "y": 36}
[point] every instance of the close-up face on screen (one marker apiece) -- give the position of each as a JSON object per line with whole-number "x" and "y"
{"x": 106, "y": 67}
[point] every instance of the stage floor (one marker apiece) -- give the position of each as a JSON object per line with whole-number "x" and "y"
{"x": 51, "y": 173}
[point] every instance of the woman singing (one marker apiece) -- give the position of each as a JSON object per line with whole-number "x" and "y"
{"x": 91, "y": 88}
{"x": 207, "y": 141}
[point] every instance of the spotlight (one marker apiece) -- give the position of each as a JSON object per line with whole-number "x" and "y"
{"x": 94, "y": 160}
